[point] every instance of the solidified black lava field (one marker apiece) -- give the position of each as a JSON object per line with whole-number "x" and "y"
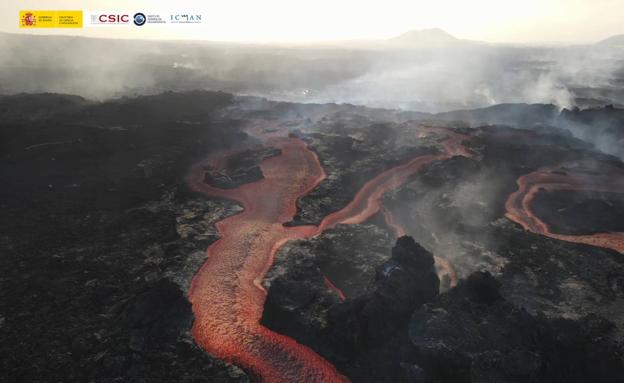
{"x": 101, "y": 236}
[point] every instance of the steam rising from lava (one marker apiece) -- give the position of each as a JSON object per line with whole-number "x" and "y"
{"x": 226, "y": 294}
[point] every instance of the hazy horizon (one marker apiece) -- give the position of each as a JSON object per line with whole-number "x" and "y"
{"x": 340, "y": 43}
{"x": 280, "y": 21}
{"x": 426, "y": 72}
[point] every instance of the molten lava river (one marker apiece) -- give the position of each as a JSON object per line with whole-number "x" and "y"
{"x": 600, "y": 177}
{"x": 226, "y": 293}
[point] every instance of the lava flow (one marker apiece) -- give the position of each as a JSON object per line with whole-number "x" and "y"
{"x": 366, "y": 202}
{"x": 444, "y": 268}
{"x": 578, "y": 176}
{"x": 226, "y": 294}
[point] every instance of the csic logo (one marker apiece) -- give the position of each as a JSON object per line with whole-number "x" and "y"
{"x": 110, "y": 19}
{"x": 29, "y": 20}
{"x": 139, "y": 19}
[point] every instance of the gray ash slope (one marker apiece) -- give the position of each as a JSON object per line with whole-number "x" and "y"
{"x": 101, "y": 238}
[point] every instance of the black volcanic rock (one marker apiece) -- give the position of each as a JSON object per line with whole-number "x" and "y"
{"x": 157, "y": 309}
{"x": 411, "y": 255}
{"x": 348, "y": 255}
{"x": 297, "y": 304}
{"x": 365, "y": 335}
{"x": 97, "y": 227}
{"x": 241, "y": 168}
{"x": 299, "y": 299}
{"x": 580, "y": 212}
{"x": 353, "y": 149}
{"x": 403, "y": 283}
{"x": 445, "y": 172}
{"x": 20, "y": 108}
{"x": 101, "y": 238}
{"x": 482, "y": 287}
{"x": 460, "y": 339}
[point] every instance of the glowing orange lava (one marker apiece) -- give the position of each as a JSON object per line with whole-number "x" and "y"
{"x": 366, "y": 202}
{"x": 226, "y": 294}
{"x": 577, "y": 176}
{"x": 330, "y": 285}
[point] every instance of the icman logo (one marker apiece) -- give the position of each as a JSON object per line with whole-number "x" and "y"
{"x": 29, "y": 20}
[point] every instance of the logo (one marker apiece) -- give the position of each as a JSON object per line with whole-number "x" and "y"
{"x": 110, "y": 18}
{"x": 139, "y": 19}
{"x": 119, "y": 18}
{"x": 29, "y": 20}
{"x": 185, "y": 18}
{"x": 50, "y": 19}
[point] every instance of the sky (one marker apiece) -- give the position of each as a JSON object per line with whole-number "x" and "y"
{"x": 294, "y": 21}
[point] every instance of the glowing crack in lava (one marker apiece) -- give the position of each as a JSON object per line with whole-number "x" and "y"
{"x": 331, "y": 287}
{"x": 600, "y": 177}
{"x": 226, "y": 294}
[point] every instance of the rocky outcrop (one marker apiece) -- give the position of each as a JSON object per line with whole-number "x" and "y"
{"x": 299, "y": 298}
{"x": 240, "y": 168}
{"x": 473, "y": 334}
{"x": 365, "y": 335}
{"x": 403, "y": 283}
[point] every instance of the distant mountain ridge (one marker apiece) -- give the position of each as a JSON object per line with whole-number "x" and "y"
{"x": 430, "y": 36}
{"x": 613, "y": 40}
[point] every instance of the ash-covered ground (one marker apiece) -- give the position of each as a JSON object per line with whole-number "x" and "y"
{"x": 101, "y": 237}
